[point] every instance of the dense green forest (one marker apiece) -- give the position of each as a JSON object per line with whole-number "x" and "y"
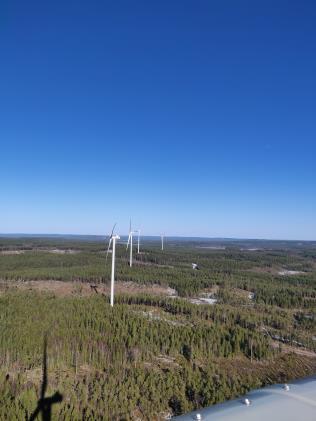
{"x": 161, "y": 350}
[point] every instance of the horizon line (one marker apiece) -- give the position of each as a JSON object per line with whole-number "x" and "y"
{"x": 48, "y": 235}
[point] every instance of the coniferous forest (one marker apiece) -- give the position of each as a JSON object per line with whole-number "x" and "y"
{"x": 176, "y": 339}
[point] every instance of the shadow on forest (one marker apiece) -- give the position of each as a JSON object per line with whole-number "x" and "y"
{"x": 94, "y": 288}
{"x": 44, "y": 405}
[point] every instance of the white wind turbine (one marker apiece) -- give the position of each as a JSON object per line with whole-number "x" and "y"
{"x": 112, "y": 240}
{"x": 162, "y": 238}
{"x": 138, "y": 240}
{"x": 130, "y": 242}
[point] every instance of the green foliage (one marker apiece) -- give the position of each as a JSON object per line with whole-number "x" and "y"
{"x": 150, "y": 355}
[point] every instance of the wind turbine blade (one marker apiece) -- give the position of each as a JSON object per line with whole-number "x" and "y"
{"x": 107, "y": 253}
{"x": 110, "y": 239}
{"x": 113, "y": 229}
{"x": 129, "y": 237}
{"x": 130, "y": 225}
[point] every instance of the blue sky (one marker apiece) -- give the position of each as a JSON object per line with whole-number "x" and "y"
{"x": 192, "y": 117}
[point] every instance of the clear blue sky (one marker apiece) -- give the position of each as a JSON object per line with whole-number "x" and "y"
{"x": 192, "y": 117}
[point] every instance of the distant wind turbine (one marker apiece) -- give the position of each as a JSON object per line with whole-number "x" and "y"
{"x": 112, "y": 240}
{"x": 162, "y": 238}
{"x": 138, "y": 239}
{"x": 130, "y": 243}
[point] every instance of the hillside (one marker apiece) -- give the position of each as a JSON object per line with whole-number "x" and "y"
{"x": 163, "y": 349}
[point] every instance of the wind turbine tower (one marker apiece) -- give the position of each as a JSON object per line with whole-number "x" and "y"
{"x": 162, "y": 238}
{"x": 138, "y": 240}
{"x": 112, "y": 240}
{"x": 130, "y": 243}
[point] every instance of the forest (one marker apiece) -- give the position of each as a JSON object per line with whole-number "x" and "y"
{"x": 163, "y": 349}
